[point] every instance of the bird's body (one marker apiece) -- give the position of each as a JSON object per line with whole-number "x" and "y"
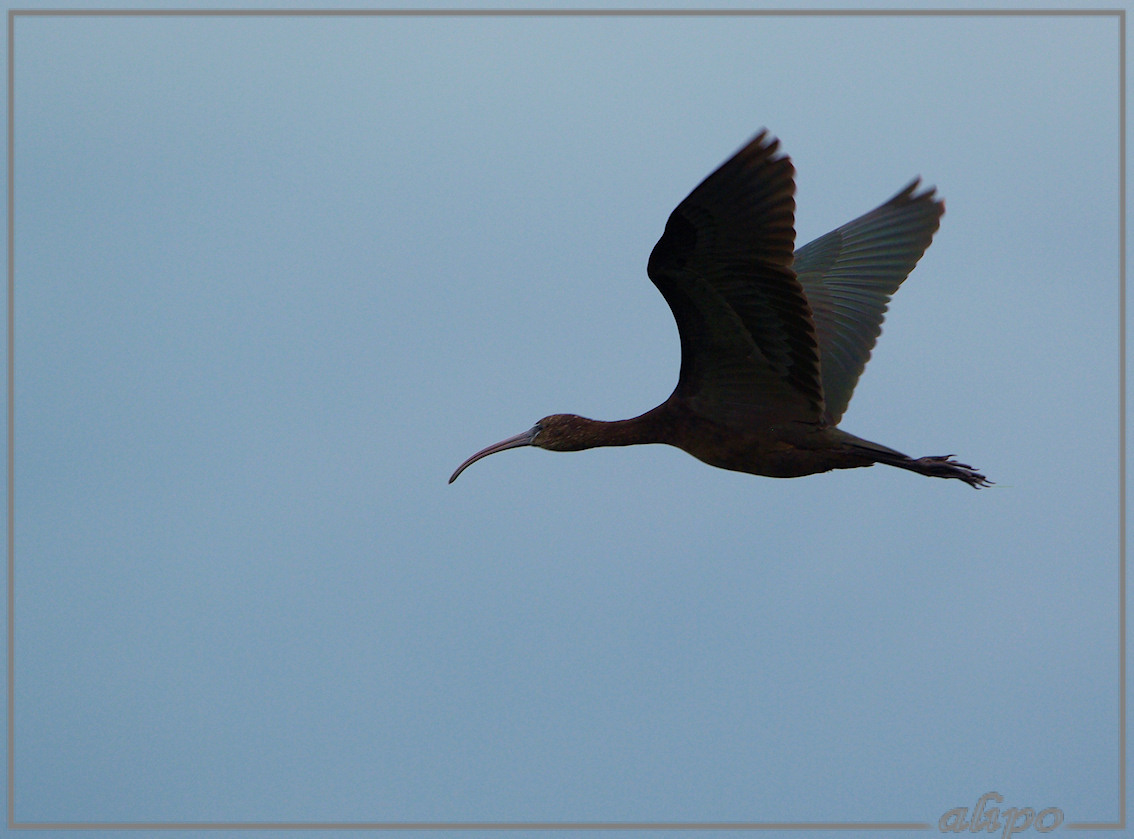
{"x": 772, "y": 341}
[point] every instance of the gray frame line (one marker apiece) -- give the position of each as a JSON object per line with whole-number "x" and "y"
{"x": 439, "y": 12}
{"x": 470, "y": 826}
{"x": 11, "y": 421}
{"x": 1119, "y": 13}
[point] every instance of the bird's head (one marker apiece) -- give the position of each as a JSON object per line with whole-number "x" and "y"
{"x": 558, "y": 432}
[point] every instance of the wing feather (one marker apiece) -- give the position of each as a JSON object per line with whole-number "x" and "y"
{"x": 849, "y": 276}
{"x": 724, "y": 265}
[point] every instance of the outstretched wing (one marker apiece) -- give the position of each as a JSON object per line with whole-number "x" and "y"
{"x": 849, "y": 275}
{"x": 724, "y": 265}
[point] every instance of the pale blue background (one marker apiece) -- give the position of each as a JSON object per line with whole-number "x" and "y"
{"x": 276, "y": 278}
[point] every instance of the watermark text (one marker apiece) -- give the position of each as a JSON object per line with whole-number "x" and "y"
{"x": 989, "y": 819}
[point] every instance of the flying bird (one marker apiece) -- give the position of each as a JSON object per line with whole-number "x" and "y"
{"x": 772, "y": 342}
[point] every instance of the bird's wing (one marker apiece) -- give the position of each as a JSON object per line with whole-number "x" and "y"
{"x": 849, "y": 275}
{"x": 724, "y": 265}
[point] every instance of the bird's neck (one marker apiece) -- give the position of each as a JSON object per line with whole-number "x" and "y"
{"x": 647, "y": 428}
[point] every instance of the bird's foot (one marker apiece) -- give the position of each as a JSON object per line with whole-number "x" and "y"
{"x": 941, "y": 466}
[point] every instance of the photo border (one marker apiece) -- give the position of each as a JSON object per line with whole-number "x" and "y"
{"x": 13, "y": 14}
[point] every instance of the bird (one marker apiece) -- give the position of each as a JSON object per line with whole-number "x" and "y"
{"x": 772, "y": 341}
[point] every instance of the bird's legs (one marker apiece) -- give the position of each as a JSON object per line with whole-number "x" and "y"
{"x": 941, "y": 466}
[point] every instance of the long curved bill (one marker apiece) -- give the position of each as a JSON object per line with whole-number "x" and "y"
{"x": 524, "y": 439}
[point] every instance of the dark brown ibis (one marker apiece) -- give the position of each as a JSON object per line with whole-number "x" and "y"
{"x": 772, "y": 342}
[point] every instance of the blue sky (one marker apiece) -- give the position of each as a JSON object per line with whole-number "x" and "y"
{"x": 276, "y": 278}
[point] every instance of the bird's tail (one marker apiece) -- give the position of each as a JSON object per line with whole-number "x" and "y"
{"x": 939, "y": 466}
